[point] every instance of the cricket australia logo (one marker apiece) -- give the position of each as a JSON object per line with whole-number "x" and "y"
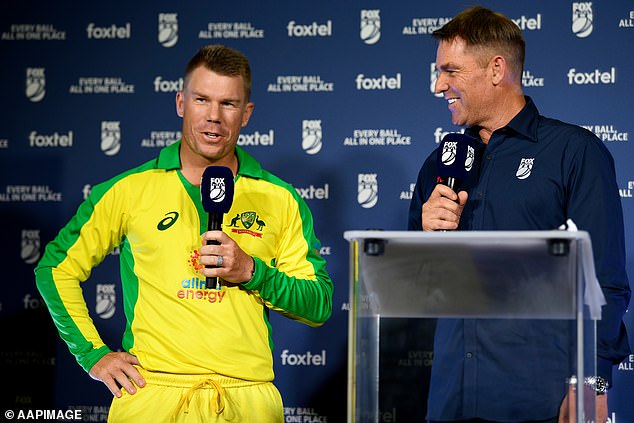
{"x": 525, "y": 168}
{"x": 248, "y": 223}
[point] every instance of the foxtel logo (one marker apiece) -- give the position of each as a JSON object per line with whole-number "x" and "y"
{"x": 313, "y": 193}
{"x": 383, "y": 82}
{"x": 307, "y": 359}
{"x": 591, "y": 78}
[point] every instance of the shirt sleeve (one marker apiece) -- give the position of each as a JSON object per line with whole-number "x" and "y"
{"x": 297, "y": 283}
{"x": 67, "y": 262}
{"x": 422, "y": 191}
{"x": 595, "y": 206}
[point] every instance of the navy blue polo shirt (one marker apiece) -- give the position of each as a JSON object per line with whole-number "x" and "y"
{"x": 534, "y": 174}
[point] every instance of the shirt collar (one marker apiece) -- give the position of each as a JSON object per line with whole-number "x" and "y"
{"x": 169, "y": 159}
{"x": 524, "y": 123}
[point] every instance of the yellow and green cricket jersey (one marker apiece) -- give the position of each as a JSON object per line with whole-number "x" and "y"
{"x": 173, "y": 323}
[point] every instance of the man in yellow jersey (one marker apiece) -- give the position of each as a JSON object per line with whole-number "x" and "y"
{"x": 218, "y": 366}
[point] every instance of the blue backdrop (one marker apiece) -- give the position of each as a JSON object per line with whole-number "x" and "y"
{"x": 343, "y": 106}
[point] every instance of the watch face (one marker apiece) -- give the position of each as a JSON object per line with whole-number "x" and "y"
{"x": 601, "y": 385}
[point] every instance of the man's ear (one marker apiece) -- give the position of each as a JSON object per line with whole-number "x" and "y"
{"x": 498, "y": 69}
{"x": 180, "y": 104}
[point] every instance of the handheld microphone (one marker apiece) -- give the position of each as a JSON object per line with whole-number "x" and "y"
{"x": 455, "y": 160}
{"x": 216, "y": 192}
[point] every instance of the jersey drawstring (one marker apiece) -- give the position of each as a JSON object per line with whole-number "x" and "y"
{"x": 217, "y": 398}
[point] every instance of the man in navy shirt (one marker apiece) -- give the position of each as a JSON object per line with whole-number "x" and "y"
{"x": 534, "y": 173}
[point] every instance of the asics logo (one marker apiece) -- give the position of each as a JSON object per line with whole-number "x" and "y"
{"x": 168, "y": 221}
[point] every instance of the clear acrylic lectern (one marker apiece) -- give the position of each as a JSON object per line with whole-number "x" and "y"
{"x": 403, "y": 276}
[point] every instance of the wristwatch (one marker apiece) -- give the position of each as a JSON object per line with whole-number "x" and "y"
{"x": 597, "y": 383}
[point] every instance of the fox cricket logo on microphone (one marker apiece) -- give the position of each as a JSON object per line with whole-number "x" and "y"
{"x": 468, "y": 163}
{"x": 110, "y": 137}
{"x": 368, "y": 193}
{"x": 168, "y": 29}
{"x": 35, "y": 84}
{"x": 370, "y": 26}
{"x": 582, "y": 19}
{"x": 217, "y": 190}
{"x": 311, "y": 136}
{"x": 449, "y": 151}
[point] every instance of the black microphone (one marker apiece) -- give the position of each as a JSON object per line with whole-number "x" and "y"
{"x": 455, "y": 159}
{"x": 216, "y": 192}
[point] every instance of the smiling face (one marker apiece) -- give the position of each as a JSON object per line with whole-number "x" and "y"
{"x": 464, "y": 78}
{"x": 214, "y": 108}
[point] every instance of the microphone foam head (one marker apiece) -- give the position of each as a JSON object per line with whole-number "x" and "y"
{"x": 456, "y": 156}
{"x": 216, "y": 189}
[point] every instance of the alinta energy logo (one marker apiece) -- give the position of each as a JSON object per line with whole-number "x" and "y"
{"x": 30, "y": 246}
{"x": 105, "y": 302}
{"x": 35, "y": 84}
{"x": 311, "y": 136}
{"x": 582, "y": 18}
{"x": 110, "y": 137}
{"x": 249, "y": 223}
{"x": 370, "y": 32}
{"x": 368, "y": 190}
{"x": 111, "y": 32}
{"x": 167, "y": 29}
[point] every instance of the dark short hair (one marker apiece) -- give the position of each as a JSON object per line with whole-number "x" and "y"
{"x": 487, "y": 31}
{"x": 224, "y": 61}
